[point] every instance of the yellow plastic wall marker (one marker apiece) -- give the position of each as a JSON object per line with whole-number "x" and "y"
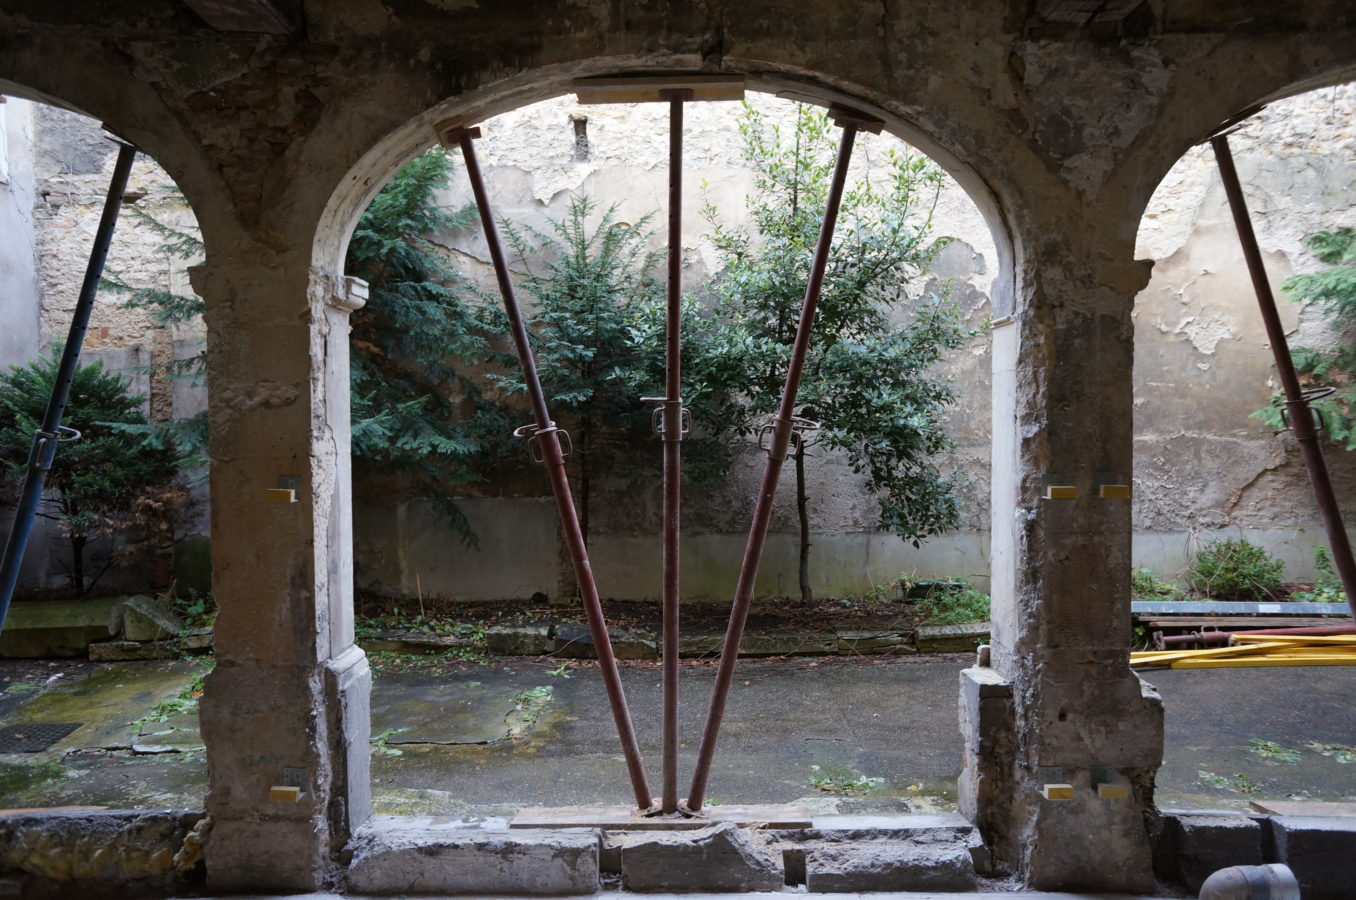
{"x": 1057, "y": 791}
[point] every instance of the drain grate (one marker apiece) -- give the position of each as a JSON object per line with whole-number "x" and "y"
{"x": 33, "y": 737}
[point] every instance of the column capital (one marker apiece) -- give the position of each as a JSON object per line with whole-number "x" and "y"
{"x": 350, "y": 293}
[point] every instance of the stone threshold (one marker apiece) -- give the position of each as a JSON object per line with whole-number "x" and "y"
{"x": 485, "y": 857}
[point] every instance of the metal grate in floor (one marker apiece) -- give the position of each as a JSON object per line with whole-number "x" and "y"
{"x": 33, "y": 737}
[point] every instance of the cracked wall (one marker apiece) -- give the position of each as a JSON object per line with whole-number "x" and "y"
{"x": 1204, "y": 467}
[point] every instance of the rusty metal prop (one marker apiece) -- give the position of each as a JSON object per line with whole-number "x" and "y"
{"x": 783, "y": 431}
{"x": 546, "y": 437}
{"x": 671, "y": 421}
{"x": 1299, "y": 414}
{"x": 1211, "y": 635}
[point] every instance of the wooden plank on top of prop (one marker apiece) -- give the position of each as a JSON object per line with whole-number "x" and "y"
{"x": 648, "y": 88}
{"x": 621, "y": 818}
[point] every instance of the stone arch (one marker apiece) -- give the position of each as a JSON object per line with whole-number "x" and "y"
{"x": 366, "y": 176}
{"x": 373, "y": 168}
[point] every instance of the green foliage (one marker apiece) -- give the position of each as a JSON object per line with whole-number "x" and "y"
{"x": 868, "y": 380}
{"x": 185, "y": 702}
{"x": 1341, "y": 752}
{"x": 1235, "y": 569}
{"x": 1273, "y": 752}
{"x": 419, "y": 415}
{"x": 1145, "y": 585}
{"x": 588, "y": 284}
{"x": 196, "y": 608}
{"x": 953, "y": 602}
{"x": 95, "y": 482}
{"x": 1327, "y": 586}
{"x": 1333, "y": 290}
{"x": 839, "y": 780}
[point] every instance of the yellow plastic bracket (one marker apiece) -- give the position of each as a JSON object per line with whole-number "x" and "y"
{"x": 1057, "y": 791}
{"x": 283, "y": 793}
{"x": 280, "y": 495}
{"x": 1113, "y": 791}
{"x": 1114, "y": 491}
{"x": 1061, "y": 492}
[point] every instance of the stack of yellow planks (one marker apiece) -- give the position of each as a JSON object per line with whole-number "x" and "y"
{"x": 1257, "y": 650}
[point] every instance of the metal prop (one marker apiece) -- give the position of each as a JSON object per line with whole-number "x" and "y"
{"x": 52, "y": 432}
{"x": 672, "y": 421}
{"x": 1298, "y": 413}
{"x": 546, "y": 438}
{"x": 783, "y": 431}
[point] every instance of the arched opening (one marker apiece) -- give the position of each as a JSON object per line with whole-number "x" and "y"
{"x": 1224, "y": 510}
{"x": 535, "y": 187}
{"x": 115, "y": 592}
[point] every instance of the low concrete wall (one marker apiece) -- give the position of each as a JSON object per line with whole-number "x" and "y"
{"x": 406, "y": 549}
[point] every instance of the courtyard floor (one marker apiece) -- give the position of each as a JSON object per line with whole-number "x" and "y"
{"x": 870, "y": 734}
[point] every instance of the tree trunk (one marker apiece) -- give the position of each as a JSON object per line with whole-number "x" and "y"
{"x": 78, "y": 562}
{"x": 802, "y": 510}
{"x": 583, "y": 454}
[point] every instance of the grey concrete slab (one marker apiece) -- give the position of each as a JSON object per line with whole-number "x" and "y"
{"x": 411, "y": 709}
{"x": 887, "y": 718}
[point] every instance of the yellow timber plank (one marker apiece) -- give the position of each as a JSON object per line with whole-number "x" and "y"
{"x": 1256, "y": 661}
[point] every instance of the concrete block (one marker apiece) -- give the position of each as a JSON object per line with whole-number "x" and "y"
{"x": 1319, "y": 850}
{"x": 1197, "y": 846}
{"x": 788, "y": 643}
{"x": 532, "y": 639}
{"x": 574, "y": 641}
{"x": 396, "y": 855}
{"x": 919, "y": 864}
{"x": 96, "y": 854}
{"x": 700, "y": 643}
{"x": 147, "y": 618}
{"x": 854, "y": 641}
{"x": 42, "y": 628}
{"x": 951, "y": 638}
{"x": 723, "y": 857}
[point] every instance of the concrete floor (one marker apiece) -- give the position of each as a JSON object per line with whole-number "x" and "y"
{"x": 841, "y": 736}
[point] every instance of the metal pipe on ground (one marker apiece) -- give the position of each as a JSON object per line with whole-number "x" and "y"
{"x": 782, "y": 429}
{"x": 547, "y": 438}
{"x": 49, "y": 433}
{"x": 1305, "y": 629}
{"x": 1296, "y": 399}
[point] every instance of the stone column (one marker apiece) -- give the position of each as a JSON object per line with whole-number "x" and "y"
{"x": 287, "y": 702}
{"x": 1059, "y": 704}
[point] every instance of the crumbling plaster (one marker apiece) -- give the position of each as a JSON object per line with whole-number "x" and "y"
{"x": 279, "y": 141}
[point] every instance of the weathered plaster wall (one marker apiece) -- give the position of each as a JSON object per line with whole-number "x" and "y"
{"x": 19, "y": 308}
{"x": 1203, "y": 466}
{"x": 20, "y": 294}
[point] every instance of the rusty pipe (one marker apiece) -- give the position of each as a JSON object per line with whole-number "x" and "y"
{"x": 1299, "y": 629}
{"x": 782, "y": 430}
{"x": 546, "y": 436}
{"x": 1297, "y": 405}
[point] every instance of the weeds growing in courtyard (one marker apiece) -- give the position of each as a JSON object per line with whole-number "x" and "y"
{"x": 838, "y": 780}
